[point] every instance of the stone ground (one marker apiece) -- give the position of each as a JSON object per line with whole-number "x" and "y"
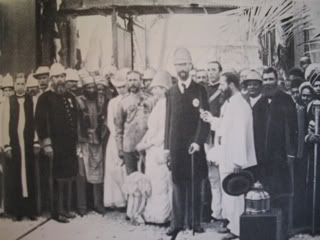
{"x": 112, "y": 226}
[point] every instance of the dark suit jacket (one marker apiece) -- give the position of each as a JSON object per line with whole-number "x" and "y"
{"x": 260, "y": 113}
{"x": 183, "y": 127}
{"x": 281, "y": 141}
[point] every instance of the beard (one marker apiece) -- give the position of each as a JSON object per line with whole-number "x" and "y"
{"x": 268, "y": 90}
{"x": 226, "y": 94}
{"x": 134, "y": 89}
{"x": 183, "y": 75}
{"x": 59, "y": 87}
{"x": 90, "y": 95}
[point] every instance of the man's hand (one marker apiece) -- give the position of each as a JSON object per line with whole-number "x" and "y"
{"x": 194, "y": 147}
{"x": 8, "y": 153}
{"x": 121, "y": 154}
{"x": 206, "y": 116}
{"x": 48, "y": 151}
{"x": 314, "y": 138}
{"x": 236, "y": 169}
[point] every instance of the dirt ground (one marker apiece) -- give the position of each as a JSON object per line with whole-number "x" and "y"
{"x": 112, "y": 226}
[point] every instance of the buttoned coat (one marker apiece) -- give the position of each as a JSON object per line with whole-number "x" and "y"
{"x": 183, "y": 127}
{"x": 56, "y": 124}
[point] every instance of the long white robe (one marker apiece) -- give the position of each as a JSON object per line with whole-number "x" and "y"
{"x": 114, "y": 172}
{"x": 158, "y": 206}
{"x": 235, "y": 146}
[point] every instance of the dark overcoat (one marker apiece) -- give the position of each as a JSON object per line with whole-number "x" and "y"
{"x": 260, "y": 113}
{"x": 56, "y": 120}
{"x": 280, "y": 142}
{"x": 13, "y": 175}
{"x": 183, "y": 127}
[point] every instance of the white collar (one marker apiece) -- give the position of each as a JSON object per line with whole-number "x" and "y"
{"x": 254, "y": 100}
{"x": 186, "y": 83}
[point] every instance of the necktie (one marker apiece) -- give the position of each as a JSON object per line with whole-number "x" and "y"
{"x": 184, "y": 87}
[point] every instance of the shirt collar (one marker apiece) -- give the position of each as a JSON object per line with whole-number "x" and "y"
{"x": 186, "y": 83}
{"x": 254, "y": 100}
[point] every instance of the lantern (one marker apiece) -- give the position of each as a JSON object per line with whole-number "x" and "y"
{"x": 257, "y": 200}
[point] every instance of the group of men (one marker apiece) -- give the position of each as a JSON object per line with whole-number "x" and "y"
{"x": 217, "y": 123}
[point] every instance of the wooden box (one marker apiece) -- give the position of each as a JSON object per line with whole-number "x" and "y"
{"x": 263, "y": 226}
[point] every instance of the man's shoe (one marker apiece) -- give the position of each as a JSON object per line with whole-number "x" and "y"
{"x": 82, "y": 212}
{"x": 213, "y": 219}
{"x": 61, "y": 219}
{"x": 198, "y": 230}
{"x": 100, "y": 210}
{"x": 230, "y": 236}
{"x": 173, "y": 231}
{"x": 69, "y": 215}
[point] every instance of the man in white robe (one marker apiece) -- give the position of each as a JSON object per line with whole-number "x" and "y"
{"x": 235, "y": 145}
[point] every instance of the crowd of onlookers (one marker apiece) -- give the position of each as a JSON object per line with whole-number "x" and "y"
{"x": 75, "y": 141}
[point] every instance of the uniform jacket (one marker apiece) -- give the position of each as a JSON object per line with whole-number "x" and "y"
{"x": 183, "y": 127}
{"x": 131, "y": 120}
{"x": 56, "y": 121}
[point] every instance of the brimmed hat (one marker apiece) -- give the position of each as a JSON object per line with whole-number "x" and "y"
{"x": 87, "y": 80}
{"x": 120, "y": 78}
{"x": 148, "y": 73}
{"x": 83, "y": 73}
{"x": 42, "y": 70}
{"x": 72, "y": 75}
{"x": 162, "y": 79}
{"x": 236, "y": 184}
{"x": 56, "y": 69}
{"x": 182, "y": 55}
{"x": 305, "y": 85}
{"x": 253, "y": 75}
{"x": 101, "y": 80}
{"x": 32, "y": 81}
{"x": 7, "y": 81}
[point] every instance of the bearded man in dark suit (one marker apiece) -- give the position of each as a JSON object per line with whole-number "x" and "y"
{"x": 280, "y": 146}
{"x": 185, "y": 136}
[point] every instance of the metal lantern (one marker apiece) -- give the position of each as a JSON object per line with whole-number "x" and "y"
{"x": 257, "y": 200}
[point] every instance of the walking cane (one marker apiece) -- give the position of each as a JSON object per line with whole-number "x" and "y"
{"x": 192, "y": 191}
{"x": 51, "y": 186}
{"x": 316, "y": 106}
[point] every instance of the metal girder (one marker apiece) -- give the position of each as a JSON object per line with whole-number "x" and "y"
{"x": 146, "y": 7}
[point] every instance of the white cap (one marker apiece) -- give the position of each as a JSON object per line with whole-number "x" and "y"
{"x": 72, "y": 75}
{"x": 87, "y": 80}
{"x": 162, "y": 79}
{"x": 253, "y": 75}
{"x": 42, "y": 70}
{"x": 101, "y": 80}
{"x": 120, "y": 78}
{"x": 108, "y": 70}
{"x": 310, "y": 68}
{"x": 56, "y": 69}
{"x": 7, "y": 81}
{"x": 148, "y": 73}
{"x": 32, "y": 81}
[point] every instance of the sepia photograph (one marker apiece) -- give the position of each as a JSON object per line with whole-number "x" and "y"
{"x": 159, "y": 119}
